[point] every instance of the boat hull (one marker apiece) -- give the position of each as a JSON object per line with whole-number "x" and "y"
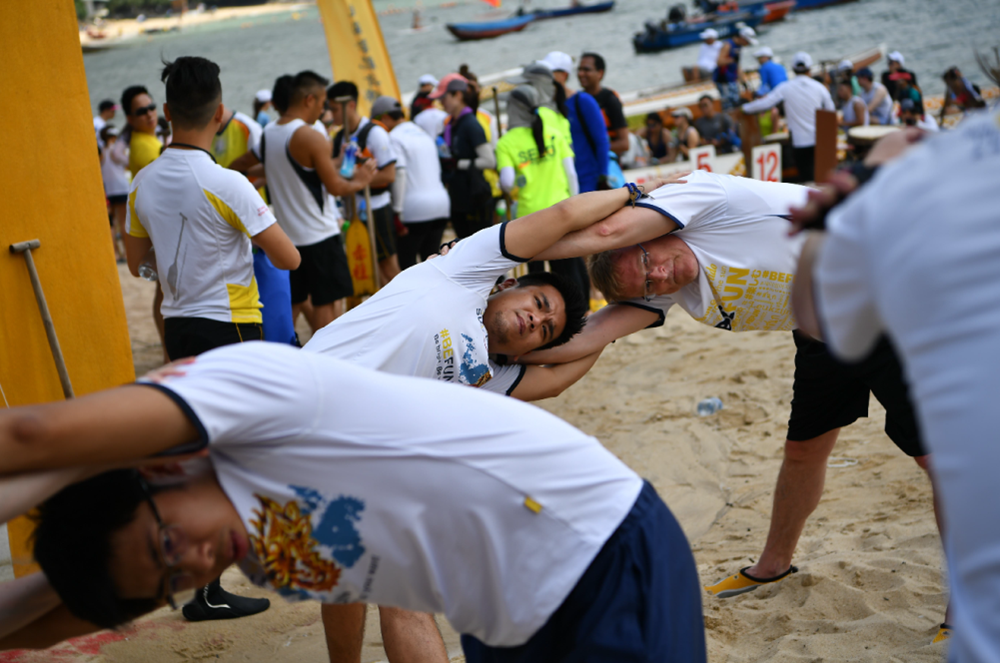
{"x": 777, "y": 11}
{"x": 473, "y": 31}
{"x": 817, "y": 4}
{"x": 655, "y": 40}
{"x": 542, "y": 14}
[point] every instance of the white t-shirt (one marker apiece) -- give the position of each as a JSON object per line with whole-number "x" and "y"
{"x": 478, "y": 506}
{"x": 378, "y": 147}
{"x": 431, "y": 121}
{"x": 200, "y": 218}
{"x": 99, "y": 123}
{"x": 425, "y": 199}
{"x": 803, "y": 96}
{"x": 738, "y": 230}
{"x": 114, "y": 164}
{"x": 428, "y": 321}
{"x": 708, "y": 55}
{"x": 915, "y": 254}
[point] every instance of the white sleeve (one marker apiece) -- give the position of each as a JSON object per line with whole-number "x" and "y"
{"x": 381, "y": 147}
{"x": 240, "y": 199}
{"x": 507, "y": 178}
{"x": 828, "y": 100}
{"x": 843, "y": 287}
{"x": 505, "y": 378}
{"x": 478, "y": 261}
{"x": 397, "y": 147}
{"x": 574, "y": 183}
{"x": 247, "y": 394}
{"x": 700, "y": 198}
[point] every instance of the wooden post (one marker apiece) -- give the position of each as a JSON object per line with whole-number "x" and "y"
{"x": 750, "y": 135}
{"x": 826, "y": 145}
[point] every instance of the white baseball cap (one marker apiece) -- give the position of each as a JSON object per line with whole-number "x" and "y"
{"x": 427, "y": 79}
{"x": 763, "y": 52}
{"x": 558, "y": 61}
{"x": 748, "y": 33}
{"x": 263, "y": 96}
{"x": 845, "y": 65}
{"x": 802, "y": 60}
{"x": 896, "y": 56}
{"x": 709, "y": 34}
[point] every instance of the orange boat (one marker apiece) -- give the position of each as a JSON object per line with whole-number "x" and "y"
{"x": 776, "y": 11}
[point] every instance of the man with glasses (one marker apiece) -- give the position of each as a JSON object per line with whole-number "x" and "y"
{"x": 315, "y": 496}
{"x": 590, "y": 73}
{"x": 719, "y": 248}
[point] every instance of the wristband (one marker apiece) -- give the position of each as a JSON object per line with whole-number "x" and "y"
{"x": 634, "y": 193}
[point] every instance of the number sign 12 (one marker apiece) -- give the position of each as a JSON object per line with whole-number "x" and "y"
{"x": 767, "y": 163}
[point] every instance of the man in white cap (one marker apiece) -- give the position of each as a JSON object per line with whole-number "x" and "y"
{"x": 261, "y": 102}
{"x": 771, "y": 73}
{"x": 891, "y": 78}
{"x": 708, "y": 56}
{"x": 728, "y": 73}
{"x": 803, "y": 96}
{"x": 421, "y": 102}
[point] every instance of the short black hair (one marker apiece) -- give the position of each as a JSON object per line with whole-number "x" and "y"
{"x": 281, "y": 93}
{"x": 396, "y": 115}
{"x": 655, "y": 117}
{"x": 72, "y": 543}
{"x": 704, "y": 97}
{"x": 106, "y": 104}
{"x": 342, "y": 89}
{"x": 131, "y": 93}
{"x": 303, "y": 84}
{"x": 598, "y": 60}
{"x": 194, "y": 91}
{"x": 577, "y": 303}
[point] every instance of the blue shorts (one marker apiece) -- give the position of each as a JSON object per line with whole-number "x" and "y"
{"x": 639, "y": 600}
{"x": 730, "y": 93}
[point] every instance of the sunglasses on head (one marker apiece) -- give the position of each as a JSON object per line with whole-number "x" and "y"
{"x": 144, "y": 109}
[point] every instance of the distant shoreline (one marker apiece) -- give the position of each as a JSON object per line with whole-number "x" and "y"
{"x": 116, "y": 31}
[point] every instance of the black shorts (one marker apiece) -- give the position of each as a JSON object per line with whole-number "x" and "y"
{"x": 118, "y": 200}
{"x": 385, "y": 232}
{"x": 189, "y": 337}
{"x": 829, "y": 394}
{"x": 323, "y": 273}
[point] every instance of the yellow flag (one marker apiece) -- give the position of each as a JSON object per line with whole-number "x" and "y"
{"x": 357, "y": 50}
{"x": 359, "y": 258}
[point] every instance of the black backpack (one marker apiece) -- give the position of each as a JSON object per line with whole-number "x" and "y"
{"x": 338, "y": 142}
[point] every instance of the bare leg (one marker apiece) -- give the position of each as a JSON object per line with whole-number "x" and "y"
{"x": 800, "y": 486}
{"x": 327, "y": 313}
{"x": 389, "y": 268}
{"x": 411, "y": 637}
{"x": 344, "y": 626}
{"x": 118, "y": 212}
{"x": 158, "y": 319}
{"x": 925, "y": 464}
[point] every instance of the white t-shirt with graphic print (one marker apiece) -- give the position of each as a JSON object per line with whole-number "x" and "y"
{"x": 467, "y": 503}
{"x": 428, "y": 321}
{"x": 738, "y": 230}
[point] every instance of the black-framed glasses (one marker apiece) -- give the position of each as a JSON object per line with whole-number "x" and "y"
{"x": 647, "y": 286}
{"x": 170, "y": 542}
{"x": 144, "y": 109}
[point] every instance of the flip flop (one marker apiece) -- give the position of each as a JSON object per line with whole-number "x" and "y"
{"x": 943, "y": 633}
{"x": 743, "y": 582}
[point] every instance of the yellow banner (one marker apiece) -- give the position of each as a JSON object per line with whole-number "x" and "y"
{"x": 357, "y": 49}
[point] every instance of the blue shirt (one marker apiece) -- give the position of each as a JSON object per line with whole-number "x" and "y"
{"x": 771, "y": 74}
{"x": 729, "y": 73}
{"x": 590, "y": 155}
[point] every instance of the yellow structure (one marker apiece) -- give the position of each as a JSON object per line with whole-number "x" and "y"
{"x": 50, "y": 181}
{"x": 357, "y": 49}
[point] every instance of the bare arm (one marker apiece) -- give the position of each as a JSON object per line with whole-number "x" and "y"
{"x": 877, "y": 99}
{"x": 113, "y": 426}
{"x": 245, "y": 162}
{"x": 549, "y": 381}
{"x": 724, "y": 57}
{"x": 609, "y": 324}
{"x": 278, "y": 247}
{"x": 312, "y": 150}
{"x": 625, "y": 227}
{"x": 619, "y": 144}
{"x": 136, "y": 249}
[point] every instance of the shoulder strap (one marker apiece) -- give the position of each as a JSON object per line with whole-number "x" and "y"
{"x": 363, "y": 135}
{"x": 263, "y": 148}
{"x": 337, "y": 142}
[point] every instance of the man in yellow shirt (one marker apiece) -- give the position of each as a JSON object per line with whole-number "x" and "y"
{"x": 144, "y": 147}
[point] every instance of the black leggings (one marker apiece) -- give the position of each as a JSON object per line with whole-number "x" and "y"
{"x": 422, "y": 239}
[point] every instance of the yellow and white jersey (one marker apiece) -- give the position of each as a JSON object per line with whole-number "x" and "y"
{"x": 200, "y": 218}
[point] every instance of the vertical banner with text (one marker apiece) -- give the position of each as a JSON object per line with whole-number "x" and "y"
{"x": 357, "y": 50}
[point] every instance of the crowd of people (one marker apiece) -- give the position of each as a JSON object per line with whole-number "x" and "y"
{"x": 475, "y": 512}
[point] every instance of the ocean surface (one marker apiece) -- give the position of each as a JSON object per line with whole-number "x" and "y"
{"x": 932, "y": 35}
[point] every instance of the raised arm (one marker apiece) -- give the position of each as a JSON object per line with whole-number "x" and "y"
{"x": 609, "y": 324}
{"x": 278, "y": 247}
{"x": 310, "y": 144}
{"x": 244, "y": 162}
{"x": 113, "y": 426}
{"x": 541, "y": 382}
{"x": 625, "y": 227}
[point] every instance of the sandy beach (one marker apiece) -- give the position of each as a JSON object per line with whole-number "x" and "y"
{"x": 870, "y": 586}
{"x": 116, "y": 30}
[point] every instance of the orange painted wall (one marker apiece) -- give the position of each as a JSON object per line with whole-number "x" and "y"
{"x": 50, "y": 188}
